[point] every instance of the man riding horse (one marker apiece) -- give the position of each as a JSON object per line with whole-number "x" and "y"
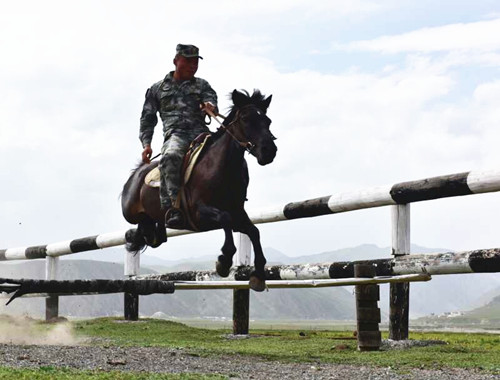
{"x": 181, "y": 99}
{"x": 214, "y": 195}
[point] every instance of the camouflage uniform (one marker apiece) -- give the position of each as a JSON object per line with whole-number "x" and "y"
{"x": 179, "y": 106}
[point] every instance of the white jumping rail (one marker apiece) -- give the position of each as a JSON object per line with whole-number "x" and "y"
{"x": 399, "y": 196}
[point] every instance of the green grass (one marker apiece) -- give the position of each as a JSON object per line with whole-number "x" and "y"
{"x": 273, "y": 324}
{"x": 51, "y": 373}
{"x": 479, "y": 351}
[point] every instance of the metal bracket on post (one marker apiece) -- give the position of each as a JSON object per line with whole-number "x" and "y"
{"x": 400, "y": 293}
{"x": 51, "y": 302}
{"x": 131, "y": 301}
{"x": 241, "y": 297}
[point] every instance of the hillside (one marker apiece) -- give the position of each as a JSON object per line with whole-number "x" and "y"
{"x": 489, "y": 312}
{"x": 486, "y": 317}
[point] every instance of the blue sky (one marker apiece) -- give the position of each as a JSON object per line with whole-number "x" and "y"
{"x": 365, "y": 93}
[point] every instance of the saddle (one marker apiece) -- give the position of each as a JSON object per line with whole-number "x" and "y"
{"x": 152, "y": 179}
{"x": 190, "y": 158}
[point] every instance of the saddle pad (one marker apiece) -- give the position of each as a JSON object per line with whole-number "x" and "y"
{"x": 193, "y": 158}
{"x": 153, "y": 177}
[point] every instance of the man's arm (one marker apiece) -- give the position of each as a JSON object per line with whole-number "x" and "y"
{"x": 208, "y": 96}
{"x": 148, "y": 123}
{"x": 146, "y": 154}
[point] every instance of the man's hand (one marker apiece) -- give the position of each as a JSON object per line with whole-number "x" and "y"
{"x": 208, "y": 106}
{"x": 146, "y": 154}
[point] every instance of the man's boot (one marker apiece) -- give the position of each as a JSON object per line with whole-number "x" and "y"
{"x": 174, "y": 218}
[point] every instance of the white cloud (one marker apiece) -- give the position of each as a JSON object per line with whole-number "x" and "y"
{"x": 476, "y": 36}
{"x": 72, "y": 92}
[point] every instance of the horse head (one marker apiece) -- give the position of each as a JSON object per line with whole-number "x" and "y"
{"x": 251, "y": 125}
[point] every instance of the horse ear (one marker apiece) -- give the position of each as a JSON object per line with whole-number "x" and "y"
{"x": 265, "y": 103}
{"x": 239, "y": 99}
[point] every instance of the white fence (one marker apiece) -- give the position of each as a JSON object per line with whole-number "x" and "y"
{"x": 398, "y": 196}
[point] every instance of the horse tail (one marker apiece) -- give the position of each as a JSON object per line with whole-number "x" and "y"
{"x": 135, "y": 241}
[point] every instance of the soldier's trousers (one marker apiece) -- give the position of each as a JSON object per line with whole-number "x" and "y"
{"x": 172, "y": 154}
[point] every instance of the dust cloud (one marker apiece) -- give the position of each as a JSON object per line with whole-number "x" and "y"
{"x": 27, "y": 331}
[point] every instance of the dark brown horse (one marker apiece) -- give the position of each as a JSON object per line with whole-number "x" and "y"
{"x": 216, "y": 191}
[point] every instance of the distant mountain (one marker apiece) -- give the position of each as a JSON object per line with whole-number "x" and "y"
{"x": 486, "y": 296}
{"x": 273, "y": 256}
{"x": 451, "y": 293}
{"x": 490, "y": 312}
{"x": 486, "y": 317}
{"x": 117, "y": 255}
{"x": 361, "y": 252}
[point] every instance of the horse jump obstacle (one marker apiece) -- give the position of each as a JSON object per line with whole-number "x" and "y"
{"x": 366, "y": 284}
{"x": 477, "y": 261}
{"x": 399, "y": 196}
{"x": 152, "y": 286}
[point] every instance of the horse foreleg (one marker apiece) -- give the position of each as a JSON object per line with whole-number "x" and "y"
{"x": 215, "y": 217}
{"x": 142, "y": 236}
{"x": 258, "y": 275}
{"x": 149, "y": 230}
{"x": 160, "y": 232}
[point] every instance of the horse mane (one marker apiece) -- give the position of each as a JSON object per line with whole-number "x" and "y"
{"x": 255, "y": 98}
{"x": 132, "y": 174}
{"x": 139, "y": 164}
{"x": 218, "y": 133}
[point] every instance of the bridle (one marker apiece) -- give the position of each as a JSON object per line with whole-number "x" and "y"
{"x": 247, "y": 145}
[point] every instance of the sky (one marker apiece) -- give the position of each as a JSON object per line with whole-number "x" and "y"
{"x": 365, "y": 94}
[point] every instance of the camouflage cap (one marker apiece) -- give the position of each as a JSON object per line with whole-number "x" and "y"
{"x": 188, "y": 51}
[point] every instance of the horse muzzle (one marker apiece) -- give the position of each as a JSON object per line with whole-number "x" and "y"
{"x": 265, "y": 155}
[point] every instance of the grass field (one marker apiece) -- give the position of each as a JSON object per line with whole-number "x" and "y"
{"x": 463, "y": 350}
{"x": 264, "y": 324}
{"x": 480, "y": 351}
{"x": 50, "y": 373}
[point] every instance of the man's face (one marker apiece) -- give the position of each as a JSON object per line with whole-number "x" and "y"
{"x": 185, "y": 68}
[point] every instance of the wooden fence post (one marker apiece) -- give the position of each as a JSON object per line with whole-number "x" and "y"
{"x": 367, "y": 310}
{"x": 241, "y": 297}
{"x": 400, "y": 292}
{"x": 130, "y": 300}
{"x": 51, "y": 302}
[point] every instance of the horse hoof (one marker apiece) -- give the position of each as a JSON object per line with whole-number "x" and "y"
{"x": 155, "y": 244}
{"x": 257, "y": 284}
{"x": 221, "y": 267}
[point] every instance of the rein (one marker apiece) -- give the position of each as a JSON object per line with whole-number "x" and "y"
{"x": 248, "y": 146}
